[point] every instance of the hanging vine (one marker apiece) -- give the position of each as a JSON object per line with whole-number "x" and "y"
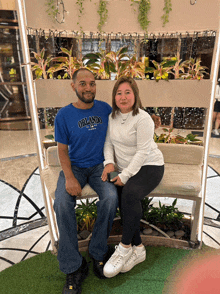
{"x": 52, "y": 9}
{"x": 80, "y": 9}
{"x": 103, "y": 14}
{"x": 143, "y": 10}
{"x": 144, "y": 7}
{"x": 167, "y": 8}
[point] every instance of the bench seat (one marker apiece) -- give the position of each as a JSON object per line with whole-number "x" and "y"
{"x": 182, "y": 177}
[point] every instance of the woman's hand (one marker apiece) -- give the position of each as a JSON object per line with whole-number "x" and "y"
{"x": 117, "y": 181}
{"x": 108, "y": 169}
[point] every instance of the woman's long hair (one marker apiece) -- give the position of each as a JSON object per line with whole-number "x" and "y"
{"x": 134, "y": 87}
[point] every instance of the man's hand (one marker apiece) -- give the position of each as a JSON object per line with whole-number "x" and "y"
{"x": 73, "y": 187}
{"x": 157, "y": 120}
{"x": 108, "y": 169}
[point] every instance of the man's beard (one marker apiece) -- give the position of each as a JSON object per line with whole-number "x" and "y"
{"x": 83, "y": 99}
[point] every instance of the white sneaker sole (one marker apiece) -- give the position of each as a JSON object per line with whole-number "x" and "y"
{"x": 110, "y": 274}
{"x": 138, "y": 260}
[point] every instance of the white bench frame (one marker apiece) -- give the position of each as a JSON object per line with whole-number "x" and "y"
{"x": 182, "y": 177}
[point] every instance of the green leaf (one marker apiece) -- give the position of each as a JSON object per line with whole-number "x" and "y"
{"x": 50, "y": 137}
{"x": 92, "y": 56}
{"x": 42, "y": 53}
{"x": 149, "y": 69}
{"x": 122, "y": 50}
{"x": 66, "y": 51}
{"x": 169, "y": 63}
{"x": 39, "y": 72}
{"x": 92, "y": 61}
{"x": 174, "y": 202}
{"x": 60, "y": 59}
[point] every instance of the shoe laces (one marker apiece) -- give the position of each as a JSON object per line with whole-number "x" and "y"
{"x": 133, "y": 255}
{"x": 72, "y": 280}
{"x": 117, "y": 256}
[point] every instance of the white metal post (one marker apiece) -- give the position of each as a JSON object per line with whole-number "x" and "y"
{"x": 34, "y": 115}
{"x": 208, "y": 135}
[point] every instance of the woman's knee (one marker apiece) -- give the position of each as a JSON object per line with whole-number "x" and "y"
{"x": 129, "y": 195}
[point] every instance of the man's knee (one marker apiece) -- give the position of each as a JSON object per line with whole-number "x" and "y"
{"x": 110, "y": 200}
{"x": 64, "y": 201}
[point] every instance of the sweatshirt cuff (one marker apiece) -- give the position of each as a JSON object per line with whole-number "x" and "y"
{"x": 123, "y": 178}
{"x": 108, "y": 161}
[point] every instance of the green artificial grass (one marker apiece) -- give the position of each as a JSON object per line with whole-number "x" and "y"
{"x": 41, "y": 275}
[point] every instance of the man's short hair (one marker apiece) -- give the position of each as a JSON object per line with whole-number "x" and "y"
{"x": 77, "y": 71}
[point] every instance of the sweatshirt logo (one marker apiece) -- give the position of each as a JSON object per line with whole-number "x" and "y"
{"x": 91, "y": 122}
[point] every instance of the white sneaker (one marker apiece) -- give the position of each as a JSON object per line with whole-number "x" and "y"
{"x": 138, "y": 255}
{"x": 215, "y": 132}
{"x": 116, "y": 262}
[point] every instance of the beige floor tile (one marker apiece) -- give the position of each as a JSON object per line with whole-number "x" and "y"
{"x": 214, "y": 162}
{"x": 23, "y": 241}
{"x": 215, "y": 233}
{"x": 14, "y": 143}
{"x": 17, "y": 171}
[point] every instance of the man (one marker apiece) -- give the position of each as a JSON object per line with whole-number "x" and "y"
{"x": 80, "y": 130}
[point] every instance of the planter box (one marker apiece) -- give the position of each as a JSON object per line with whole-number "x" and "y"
{"x": 172, "y": 93}
{"x": 147, "y": 240}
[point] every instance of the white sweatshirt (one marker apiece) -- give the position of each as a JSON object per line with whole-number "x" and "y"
{"x": 217, "y": 93}
{"x": 130, "y": 140}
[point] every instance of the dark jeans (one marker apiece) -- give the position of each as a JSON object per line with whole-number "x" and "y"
{"x": 64, "y": 205}
{"x": 130, "y": 196}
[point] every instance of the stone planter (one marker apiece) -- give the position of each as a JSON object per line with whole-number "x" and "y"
{"x": 147, "y": 240}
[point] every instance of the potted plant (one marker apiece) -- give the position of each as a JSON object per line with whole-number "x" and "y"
{"x": 168, "y": 137}
{"x": 160, "y": 70}
{"x": 134, "y": 68}
{"x": 86, "y": 214}
{"x": 68, "y": 64}
{"x": 99, "y": 64}
{"x": 194, "y": 69}
{"x": 104, "y": 63}
{"x": 166, "y": 219}
{"x": 40, "y": 67}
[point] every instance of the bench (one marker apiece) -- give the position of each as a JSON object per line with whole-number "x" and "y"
{"x": 182, "y": 178}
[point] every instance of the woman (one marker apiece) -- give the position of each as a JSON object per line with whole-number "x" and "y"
{"x": 216, "y": 113}
{"x": 140, "y": 164}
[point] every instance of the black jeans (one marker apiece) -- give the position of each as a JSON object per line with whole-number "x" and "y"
{"x": 130, "y": 196}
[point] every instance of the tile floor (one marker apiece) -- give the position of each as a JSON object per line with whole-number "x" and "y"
{"x": 23, "y": 226}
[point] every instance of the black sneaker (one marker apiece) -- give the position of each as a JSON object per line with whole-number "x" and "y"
{"x": 108, "y": 254}
{"x": 75, "y": 279}
{"x": 98, "y": 265}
